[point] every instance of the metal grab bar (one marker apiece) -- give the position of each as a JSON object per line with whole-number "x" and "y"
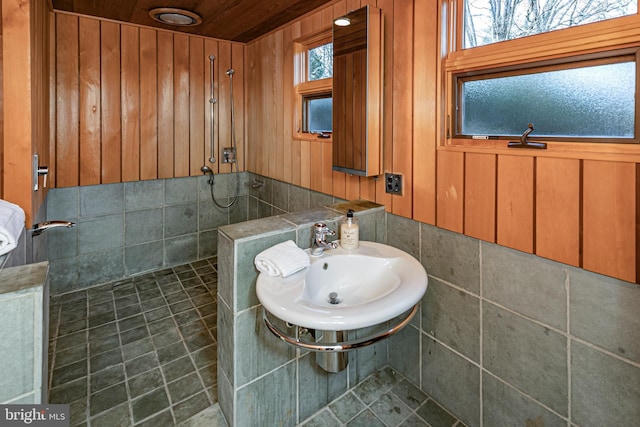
{"x": 336, "y": 347}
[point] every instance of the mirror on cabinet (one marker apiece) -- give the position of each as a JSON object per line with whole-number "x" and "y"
{"x": 357, "y": 92}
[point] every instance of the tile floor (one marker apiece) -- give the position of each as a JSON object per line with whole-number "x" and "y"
{"x": 140, "y": 351}
{"x": 384, "y": 398}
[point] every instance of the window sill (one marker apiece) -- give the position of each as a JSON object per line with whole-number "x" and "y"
{"x": 577, "y": 150}
{"x": 300, "y": 136}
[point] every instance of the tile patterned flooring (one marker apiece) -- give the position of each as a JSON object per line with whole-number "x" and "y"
{"x": 383, "y": 399}
{"x": 140, "y": 351}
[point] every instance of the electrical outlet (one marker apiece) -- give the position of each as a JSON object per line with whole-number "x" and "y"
{"x": 393, "y": 183}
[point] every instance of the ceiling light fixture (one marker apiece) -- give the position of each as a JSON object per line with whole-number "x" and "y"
{"x": 342, "y": 22}
{"x": 173, "y": 16}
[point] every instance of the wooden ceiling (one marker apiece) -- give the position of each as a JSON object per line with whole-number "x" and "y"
{"x": 235, "y": 20}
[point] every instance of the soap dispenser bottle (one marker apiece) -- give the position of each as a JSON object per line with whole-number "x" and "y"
{"x": 349, "y": 232}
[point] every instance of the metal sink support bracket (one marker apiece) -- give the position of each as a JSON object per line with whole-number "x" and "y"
{"x": 337, "y": 361}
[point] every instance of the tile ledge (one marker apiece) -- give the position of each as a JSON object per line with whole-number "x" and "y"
{"x": 20, "y": 278}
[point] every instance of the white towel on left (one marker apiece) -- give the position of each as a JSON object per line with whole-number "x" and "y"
{"x": 11, "y": 225}
{"x": 283, "y": 259}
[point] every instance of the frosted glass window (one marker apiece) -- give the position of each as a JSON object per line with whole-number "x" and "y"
{"x": 320, "y": 62}
{"x": 491, "y": 21}
{"x": 587, "y": 102}
{"x": 318, "y": 114}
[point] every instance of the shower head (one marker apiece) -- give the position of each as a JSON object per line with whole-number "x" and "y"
{"x": 230, "y": 71}
{"x": 207, "y": 170}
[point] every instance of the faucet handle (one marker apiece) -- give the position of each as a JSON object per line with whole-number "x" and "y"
{"x": 319, "y": 241}
{"x": 321, "y": 228}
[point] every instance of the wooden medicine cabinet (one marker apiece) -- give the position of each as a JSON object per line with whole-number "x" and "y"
{"x": 357, "y": 92}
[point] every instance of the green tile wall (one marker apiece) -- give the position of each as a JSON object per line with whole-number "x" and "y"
{"x": 509, "y": 338}
{"x": 127, "y": 229}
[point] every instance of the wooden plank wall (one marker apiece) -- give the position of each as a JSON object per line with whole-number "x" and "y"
{"x": 578, "y": 211}
{"x": 40, "y": 96}
{"x": 133, "y": 102}
{"x": 25, "y": 99}
{"x": 408, "y": 123}
{"x": 1, "y": 116}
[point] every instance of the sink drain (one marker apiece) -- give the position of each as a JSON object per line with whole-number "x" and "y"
{"x": 333, "y": 298}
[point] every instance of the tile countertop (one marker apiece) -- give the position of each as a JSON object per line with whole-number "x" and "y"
{"x": 15, "y": 279}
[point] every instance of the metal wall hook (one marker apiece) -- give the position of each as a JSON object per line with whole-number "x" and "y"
{"x": 524, "y": 143}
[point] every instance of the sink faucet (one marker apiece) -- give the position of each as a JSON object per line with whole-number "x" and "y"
{"x": 319, "y": 242}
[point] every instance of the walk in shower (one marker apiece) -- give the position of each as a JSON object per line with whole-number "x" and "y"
{"x": 229, "y": 153}
{"x": 139, "y": 351}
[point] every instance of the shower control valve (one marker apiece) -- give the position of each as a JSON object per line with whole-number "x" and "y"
{"x": 228, "y": 155}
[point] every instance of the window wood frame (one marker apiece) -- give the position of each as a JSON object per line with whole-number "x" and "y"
{"x": 571, "y": 63}
{"x": 303, "y": 87}
{"x": 585, "y": 42}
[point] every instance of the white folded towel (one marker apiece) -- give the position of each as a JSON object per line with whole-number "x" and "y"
{"x": 283, "y": 259}
{"x": 11, "y": 226}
